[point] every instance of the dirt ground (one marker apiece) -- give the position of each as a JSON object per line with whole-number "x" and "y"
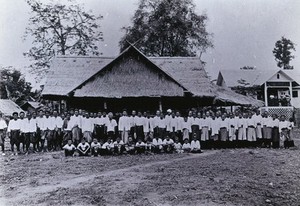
{"x": 215, "y": 177}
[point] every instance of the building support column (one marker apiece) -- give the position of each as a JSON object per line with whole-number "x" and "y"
{"x": 160, "y": 104}
{"x": 104, "y": 105}
{"x": 291, "y": 93}
{"x": 266, "y": 94}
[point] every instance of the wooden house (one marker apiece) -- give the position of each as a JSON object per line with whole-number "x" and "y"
{"x": 134, "y": 81}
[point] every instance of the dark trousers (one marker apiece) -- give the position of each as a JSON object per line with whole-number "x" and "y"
{"x": 95, "y": 151}
{"x": 119, "y": 149}
{"x": 15, "y": 140}
{"x": 140, "y": 132}
{"x": 69, "y": 153}
{"x": 140, "y": 150}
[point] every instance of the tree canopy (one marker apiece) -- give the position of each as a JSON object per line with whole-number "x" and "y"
{"x": 283, "y": 53}
{"x": 13, "y": 85}
{"x": 59, "y": 29}
{"x": 167, "y": 28}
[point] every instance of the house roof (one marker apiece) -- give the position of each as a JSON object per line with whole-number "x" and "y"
{"x": 7, "y": 107}
{"x": 67, "y": 72}
{"x": 70, "y": 74}
{"x": 35, "y": 105}
{"x": 293, "y": 74}
{"x": 252, "y": 77}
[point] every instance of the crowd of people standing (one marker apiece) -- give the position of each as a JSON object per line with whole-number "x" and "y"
{"x": 85, "y": 133}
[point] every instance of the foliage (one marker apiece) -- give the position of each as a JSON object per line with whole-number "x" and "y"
{"x": 283, "y": 53}
{"x": 13, "y": 85}
{"x": 167, "y": 28}
{"x": 59, "y": 29}
{"x": 247, "y": 68}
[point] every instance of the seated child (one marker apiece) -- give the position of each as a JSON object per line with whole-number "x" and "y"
{"x": 83, "y": 148}
{"x": 95, "y": 147}
{"x": 186, "y": 147}
{"x": 130, "y": 146}
{"x": 149, "y": 145}
{"x": 107, "y": 147}
{"x": 69, "y": 149}
{"x": 177, "y": 145}
{"x": 157, "y": 145}
{"x": 168, "y": 145}
{"x": 140, "y": 146}
{"x": 195, "y": 145}
{"x": 119, "y": 147}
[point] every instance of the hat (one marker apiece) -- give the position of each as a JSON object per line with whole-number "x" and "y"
{"x": 169, "y": 110}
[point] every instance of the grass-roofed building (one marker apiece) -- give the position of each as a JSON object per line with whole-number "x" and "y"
{"x": 134, "y": 81}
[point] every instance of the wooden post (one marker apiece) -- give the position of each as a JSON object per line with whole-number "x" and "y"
{"x": 266, "y": 94}
{"x": 291, "y": 94}
{"x": 104, "y": 105}
{"x": 160, "y": 104}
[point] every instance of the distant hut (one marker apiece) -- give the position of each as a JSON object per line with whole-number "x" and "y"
{"x": 8, "y": 107}
{"x": 32, "y": 106}
{"x": 134, "y": 81}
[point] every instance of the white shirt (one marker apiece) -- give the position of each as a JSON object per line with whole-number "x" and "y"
{"x": 162, "y": 123}
{"x": 224, "y": 123}
{"x": 58, "y": 122}
{"x": 187, "y": 125}
{"x": 107, "y": 145}
{"x": 69, "y": 147}
{"x": 180, "y": 121}
{"x": 148, "y": 125}
{"x": 195, "y": 145}
{"x": 75, "y": 120}
{"x": 3, "y": 124}
{"x": 167, "y": 142}
{"x": 118, "y": 143}
{"x": 48, "y": 123}
{"x": 186, "y": 146}
{"x": 173, "y": 124}
{"x": 87, "y": 125}
{"x": 275, "y": 123}
{"x": 257, "y": 119}
{"x": 124, "y": 123}
{"x": 95, "y": 145}
{"x": 178, "y": 145}
{"x": 40, "y": 123}
{"x": 83, "y": 147}
{"x": 111, "y": 124}
{"x": 157, "y": 142}
{"x": 156, "y": 121}
{"x": 284, "y": 124}
{"x": 251, "y": 122}
{"x": 232, "y": 122}
{"x": 14, "y": 125}
{"x": 29, "y": 125}
{"x": 215, "y": 126}
{"x": 142, "y": 144}
{"x": 242, "y": 122}
{"x": 139, "y": 121}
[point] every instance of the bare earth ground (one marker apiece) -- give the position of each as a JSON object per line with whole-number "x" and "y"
{"x": 217, "y": 177}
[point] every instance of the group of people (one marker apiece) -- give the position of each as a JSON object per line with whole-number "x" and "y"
{"x": 85, "y": 133}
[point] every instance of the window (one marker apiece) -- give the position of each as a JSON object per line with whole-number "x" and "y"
{"x": 295, "y": 94}
{"x": 278, "y": 76}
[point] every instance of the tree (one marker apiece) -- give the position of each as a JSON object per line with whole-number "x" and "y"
{"x": 13, "y": 85}
{"x": 59, "y": 29}
{"x": 167, "y": 28}
{"x": 283, "y": 53}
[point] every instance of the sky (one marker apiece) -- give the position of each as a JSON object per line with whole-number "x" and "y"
{"x": 244, "y": 31}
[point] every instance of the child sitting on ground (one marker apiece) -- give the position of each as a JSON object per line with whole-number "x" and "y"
{"x": 107, "y": 147}
{"x": 168, "y": 145}
{"x": 69, "y": 149}
{"x": 186, "y": 147}
{"x": 157, "y": 145}
{"x": 195, "y": 145}
{"x": 83, "y": 148}
{"x": 177, "y": 145}
{"x": 130, "y": 146}
{"x": 95, "y": 147}
{"x": 140, "y": 146}
{"x": 119, "y": 147}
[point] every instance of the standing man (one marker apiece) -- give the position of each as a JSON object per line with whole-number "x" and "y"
{"x": 3, "y": 128}
{"x": 29, "y": 132}
{"x": 13, "y": 131}
{"x": 124, "y": 126}
{"x": 111, "y": 126}
{"x": 57, "y": 133}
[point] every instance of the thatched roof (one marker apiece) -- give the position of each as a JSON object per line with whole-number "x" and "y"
{"x": 7, "y": 107}
{"x": 92, "y": 77}
{"x": 66, "y": 73}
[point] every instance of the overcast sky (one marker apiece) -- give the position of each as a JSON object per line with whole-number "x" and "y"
{"x": 245, "y": 31}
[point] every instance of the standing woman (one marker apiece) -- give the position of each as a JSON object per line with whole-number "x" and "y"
{"x": 275, "y": 132}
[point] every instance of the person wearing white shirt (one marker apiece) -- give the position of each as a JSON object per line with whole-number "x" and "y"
{"x": 139, "y": 125}
{"x": 186, "y": 147}
{"x": 186, "y": 128}
{"x": 162, "y": 125}
{"x": 99, "y": 126}
{"x": 258, "y": 121}
{"x": 57, "y": 132}
{"x": 284, "y": 129}
{"x": 195, "y": 145}
{"x": 232, "y": 123}
{"x": 29, "y": 132}
{"x": 22, "y": 129}
{"x": 156, "y": 122}
{"x": 194, "y": 121}
{"x": 119, "y": 146}
{"x": 214, "y": 129}
{"x": 251, "y": 131}
{"x": 148, "y": 126}
{"x": 168, "y": 145}
{"x": 87, "y": 127}
{"x": 267, "y": 129}
{"x": 157, "y": 144}
{"x": 107, "y": 148}
{"x": 48, "y": 131}
{"x": 111, "y": 126}
{"x": 133, "y": 124}
{"x": 172, "y": 127}
{"x": 242, "y": 130}
{"x": 179, "y": 126}
{"x": 69, "y": 149}
{"x": 83, "y": 148}
{"x": 3, "y": 128}
{"x": 177, "y": 145}
{"x": 95, "y": 148}
{"x": 13, "y": 131}
{"x": 124, "y": 126}
{"x": 224, "y": 126}
{"x": 204, "y": 125}
{"x": 76, "y": 123}
{"x": 140, "y": 146}
{"x": 275, "y": 132}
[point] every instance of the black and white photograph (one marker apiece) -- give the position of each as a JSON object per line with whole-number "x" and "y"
{"x": 150, "y": 102}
